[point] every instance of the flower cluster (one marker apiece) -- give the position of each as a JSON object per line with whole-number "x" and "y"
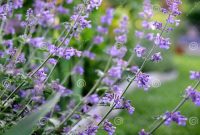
{"x": 194, "y": 75}
{"x": 194, "y": 95}
{"x": 106, "y": 20}
{"x": 175, "y": 117}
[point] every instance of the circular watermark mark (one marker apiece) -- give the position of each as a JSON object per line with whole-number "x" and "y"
{"x": 43, "y": 121}
{"x": 155, "y": 83}
{"x": 118, "y": 121}
{"x": 156, "y": 7}
{"x": 81, "y": 83}
{"x": 6, "y": 83}
{"x": 193, "y": 46}
{"x": 193, "y": 121}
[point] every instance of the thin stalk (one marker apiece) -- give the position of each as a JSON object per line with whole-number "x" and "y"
{"x": 79, "y": 61}
{"x": 89, "y": 93}
{"x": 181, "y": 103}
{"x": 19, "y": 114}
{"x": 142, "y": 66}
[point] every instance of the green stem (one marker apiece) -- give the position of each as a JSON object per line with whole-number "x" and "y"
{"x": 142, "y": 66}
{"x": 89, "y": 93}
{"x": 181, "y": 103}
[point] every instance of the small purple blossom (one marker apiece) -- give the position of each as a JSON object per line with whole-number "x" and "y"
{"x": 93, "y": 99}
{"x": 156, "y": 57}
{"x": 194, "y": 75}
{"x": 107, "y": 19}
{"x": 158, "y": 25}
{"x": 59, "y": 88}
{"x": 117, "y": 52}
{"x": 140, "y": 51}
{"x": 98, "y": 40}
{"x": 89, "y": 54}
{"x": 115, "y": 72}
{"x": 142, "y": 132}
{"x": 163, "y": 43}
{"x": 78, "y": 70}
{"x": 134, "y": 69}
{"x": 143, "y": 81}
{"x": 108, "y": 127}
{"x": 52, "y": 61}
{"x": 175, "y": 117}
{"x": 91, "y": 130}
{"x": 193, "y": 95}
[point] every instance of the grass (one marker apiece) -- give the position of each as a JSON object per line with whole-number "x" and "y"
{"x": 155, "y": 102}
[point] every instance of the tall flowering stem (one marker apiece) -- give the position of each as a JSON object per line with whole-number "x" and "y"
{"x": 181, "y": 103}
{"x": 88, "y": 94}
{"x": 131, "y": 81}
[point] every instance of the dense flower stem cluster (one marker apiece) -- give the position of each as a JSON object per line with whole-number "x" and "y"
{"x": 49, "y": 56}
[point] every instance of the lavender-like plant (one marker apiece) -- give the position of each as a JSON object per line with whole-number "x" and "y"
{"x": 37, "y": 37}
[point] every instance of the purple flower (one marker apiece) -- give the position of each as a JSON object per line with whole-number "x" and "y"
{"x": 142, "y": 132}
{"x": 59, "y": 88}
{"x": 93, "y": 99}
{"x": 123, "y": 28}
{"x": 91, "y": 130}
{"x": 193, "y": 95}
{"x": 175, "y": 117}
{"x": 127, "y": 105}
{"x": 121, "y": 63}
{"x": 156, "y": 57}
{"x": 62, "y": 10}
{"x": 115, "y": 72}
{"x": 107, "y": 19}
{"x": 173, "y": 6}
{"x": 108, "y": 97}
{"x": 194, "y": 75}
{"x": 37, "y": 42}
{"x": 17, "y": 3}
{"x": 139, "y": 50}
{"x": 41, "y": 75}
{"x": 134, "y": 69}
{"x": 117, "y": 52}
{"x": 89, "y": 55}
{"x": 117, "y": 89}
{"x": 102, "y": 30}
{"x": 85, "y": 108}
{"x": 108, "y": 127}
{"x": 108, "y": 81}
{"x": 52, "y": 61}
{"x": 162, "y": 42}
{"x": 147, "y": 10}
{"x": 69, "y": 1}
{"x": 46, "y": 18}
{"x": 143, "y": 81}
{"x": 139, "y": 34}
{"x": 121, "y": 39}
{"x": 81, "y": 21}
{"x": 94, "y": 4}
{"x": 66, "y": 129}
{"x": 158, "y": 25}
{"x": 98, "y": 40}
{"x": 78, "y": 70}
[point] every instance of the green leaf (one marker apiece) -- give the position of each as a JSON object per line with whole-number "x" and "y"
{"x": 26, "y": 125}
